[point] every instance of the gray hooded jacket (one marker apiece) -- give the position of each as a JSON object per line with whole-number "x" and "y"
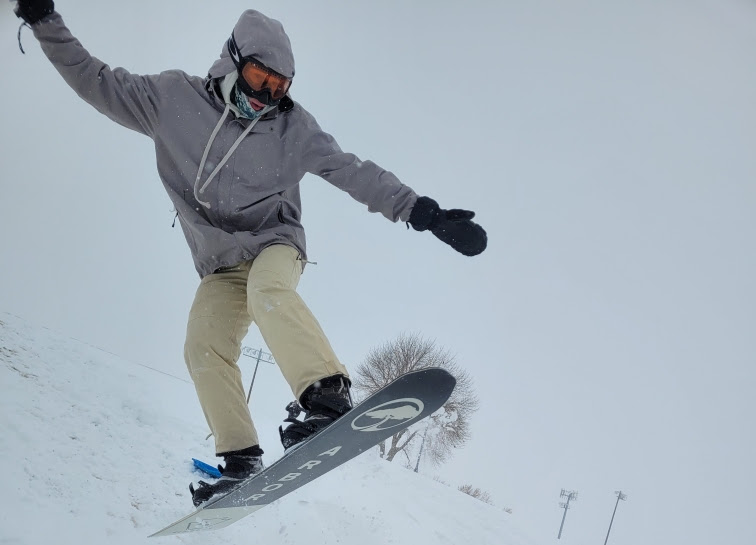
{"x": 234, "y": 182}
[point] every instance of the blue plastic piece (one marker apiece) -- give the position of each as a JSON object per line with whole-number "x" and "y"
{"x": 210, "y": 470}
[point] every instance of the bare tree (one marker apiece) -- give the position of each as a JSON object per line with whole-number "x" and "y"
{"x": 476, "y": 493}
{"x": 448, "y": 428}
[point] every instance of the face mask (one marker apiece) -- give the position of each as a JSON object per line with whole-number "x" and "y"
{"x": 241, "y": 102}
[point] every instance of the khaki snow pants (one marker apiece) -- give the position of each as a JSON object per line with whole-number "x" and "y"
{"x": 227, "y": 302}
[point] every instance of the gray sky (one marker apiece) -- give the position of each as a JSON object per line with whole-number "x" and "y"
{"x": 609, "y": 326}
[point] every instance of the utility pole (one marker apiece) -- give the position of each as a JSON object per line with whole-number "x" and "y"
{"x": 571, "y": 495}
{"x": 259, "y": 355}
{"x": 420, "y": 454}
{"x": 620, "y": 496}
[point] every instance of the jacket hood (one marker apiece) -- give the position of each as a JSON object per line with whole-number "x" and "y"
{"x": 260, "y": 37}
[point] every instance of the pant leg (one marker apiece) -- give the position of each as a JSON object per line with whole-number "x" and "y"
{"x": 291, "y": 332}
{"x": 218, "y": 322}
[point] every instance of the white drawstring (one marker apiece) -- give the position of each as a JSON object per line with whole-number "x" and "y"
{"x": 225, "y": 158}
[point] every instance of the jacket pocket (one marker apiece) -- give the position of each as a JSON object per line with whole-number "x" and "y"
{"x": 288, "y": 214}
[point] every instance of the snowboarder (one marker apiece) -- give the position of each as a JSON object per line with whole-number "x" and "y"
{"x": 231, "y": 149}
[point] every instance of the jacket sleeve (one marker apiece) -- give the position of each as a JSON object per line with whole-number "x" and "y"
{"x": 126, "y": 98}
{"x": 365, "y": 181}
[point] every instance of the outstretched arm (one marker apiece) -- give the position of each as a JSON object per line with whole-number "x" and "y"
{"x": 383, "y": 192}
{"x": 126, "y": 98}
{"x": 365, "y": 181}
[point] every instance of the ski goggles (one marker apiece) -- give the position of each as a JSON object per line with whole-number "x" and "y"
{"x": 255, "y": 77}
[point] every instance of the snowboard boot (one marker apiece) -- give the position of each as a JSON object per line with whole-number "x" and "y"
{"x": 323, "y": 403}
{"x": 240, "y": 466}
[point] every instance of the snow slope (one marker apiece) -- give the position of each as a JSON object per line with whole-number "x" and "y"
{"x": 98, "y": 450}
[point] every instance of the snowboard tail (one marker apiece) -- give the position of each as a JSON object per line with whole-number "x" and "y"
{"x": 405, "y": 401}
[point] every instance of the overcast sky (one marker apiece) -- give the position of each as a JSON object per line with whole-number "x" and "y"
{"x": 609, "y": 327}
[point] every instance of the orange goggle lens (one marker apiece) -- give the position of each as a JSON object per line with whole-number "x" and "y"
{"x": 259, "y": 78}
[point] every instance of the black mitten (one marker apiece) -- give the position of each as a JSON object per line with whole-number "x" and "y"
{"x": 455, "y": 227}
{"x": 33, "y": 11}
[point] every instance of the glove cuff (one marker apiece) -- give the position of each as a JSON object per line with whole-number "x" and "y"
{"x": 424, "y": 214}
{"x": 32, "y": 13}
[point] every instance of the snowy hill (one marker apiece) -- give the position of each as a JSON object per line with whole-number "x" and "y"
{"x": 98, "y": 450}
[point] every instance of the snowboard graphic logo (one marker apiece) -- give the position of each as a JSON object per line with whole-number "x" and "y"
{"x": 399, "y": 412}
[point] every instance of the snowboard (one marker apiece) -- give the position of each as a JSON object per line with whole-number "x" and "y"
{"x": 403, "y": 402}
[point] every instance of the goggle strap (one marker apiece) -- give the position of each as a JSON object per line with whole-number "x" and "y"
{"x": 233, "y": 51}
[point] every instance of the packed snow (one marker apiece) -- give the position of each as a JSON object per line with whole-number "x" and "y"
{"x": 98, "y": 450}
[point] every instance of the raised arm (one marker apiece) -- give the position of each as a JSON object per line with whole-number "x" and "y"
{"x": 127, "y": 99}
